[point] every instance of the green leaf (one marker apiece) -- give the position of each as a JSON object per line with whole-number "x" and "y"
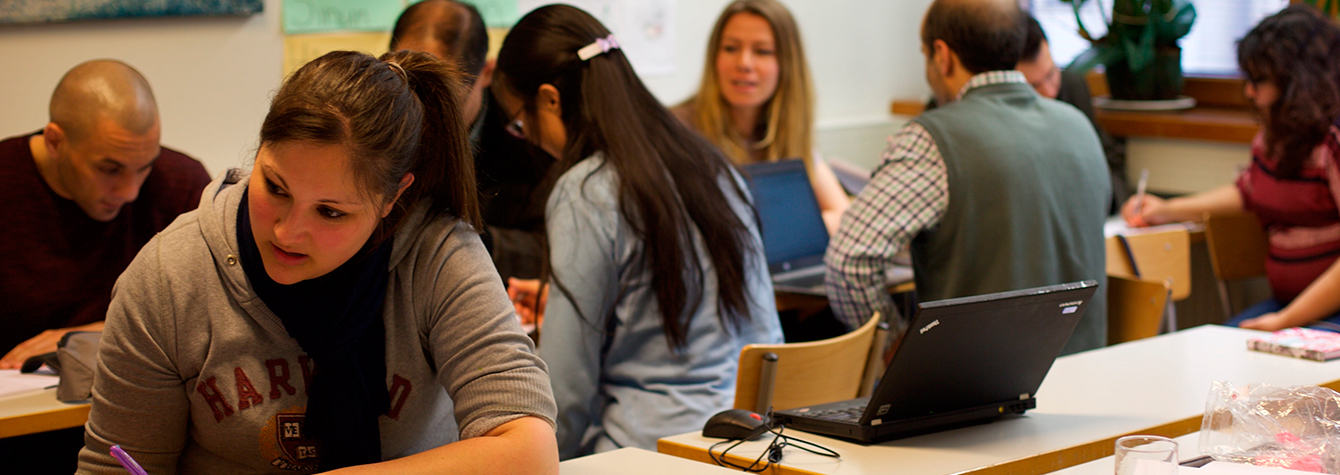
{"x": 1139, "y": 54}
{"x": 1171, "y": 30}
{"x": 1098, "y": 54}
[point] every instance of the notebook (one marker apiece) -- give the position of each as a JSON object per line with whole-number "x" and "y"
{"x": 794, "y": 235}
{"x": 962, "y": 361}
{"x": 1306, "y": 343}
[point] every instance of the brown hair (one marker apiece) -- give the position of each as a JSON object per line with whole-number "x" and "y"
{"x": 987, "y": 35}
{"x": 1296, "y": 49}
{"x": 669, "y": 178}
{"x": 398, "y": 114}
{"x": 788, "y": 117}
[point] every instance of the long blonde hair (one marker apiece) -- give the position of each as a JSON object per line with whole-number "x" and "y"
{"x": 789, "y": 114}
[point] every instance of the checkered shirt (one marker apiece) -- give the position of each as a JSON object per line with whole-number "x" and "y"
{"x": 906, "y": 195}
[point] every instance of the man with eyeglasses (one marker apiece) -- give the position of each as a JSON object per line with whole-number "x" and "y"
{"x": 510, "y": 170}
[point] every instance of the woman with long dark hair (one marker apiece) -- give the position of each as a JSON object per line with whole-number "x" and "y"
{"x": 1293, "y": 184}
{"x": 332, "y": 308}
{"x": 654, "y": 253}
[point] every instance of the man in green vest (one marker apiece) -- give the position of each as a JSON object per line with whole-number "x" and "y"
{"x": 998, "y": 189}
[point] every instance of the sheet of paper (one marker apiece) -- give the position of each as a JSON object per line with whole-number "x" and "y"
{"x": 497, "y": 13}
{"x": 325, "y": 16}
{"x": 13, "y": 382}
{"x": 645, "y": 29}
{"x": 299, "y": 49}
{"x": 1115, "y": 225}
{"x": 320, "y": 16}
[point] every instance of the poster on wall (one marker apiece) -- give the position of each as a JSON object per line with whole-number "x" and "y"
{"x": 51, "y": 11}
{"x": 329, "y": 16}
{"x": 645, "y": 29}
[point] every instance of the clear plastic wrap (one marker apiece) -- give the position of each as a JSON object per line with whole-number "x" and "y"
{"x": 1260, "y": 424}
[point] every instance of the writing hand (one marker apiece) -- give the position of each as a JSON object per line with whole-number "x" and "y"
{"x": 528, "y": 299}
{"x": 1144, "y": 210}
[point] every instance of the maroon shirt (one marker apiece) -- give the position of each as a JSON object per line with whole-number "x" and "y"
{"x": 57, "y": 265}
{"x": 1300, "y": 215}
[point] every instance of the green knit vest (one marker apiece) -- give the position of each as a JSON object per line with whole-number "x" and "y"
{"x": 1028, "y": 194}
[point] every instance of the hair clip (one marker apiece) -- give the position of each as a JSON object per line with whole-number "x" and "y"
{"x": 395, "y": 67}
{"x": 601, "y": 45}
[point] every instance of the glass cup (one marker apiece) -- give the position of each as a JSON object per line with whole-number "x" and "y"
{"x": 1146, "y": 455}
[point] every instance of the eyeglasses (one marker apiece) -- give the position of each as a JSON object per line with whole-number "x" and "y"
{"x": 517, "y": 128}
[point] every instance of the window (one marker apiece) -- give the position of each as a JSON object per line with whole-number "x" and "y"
{"x": 1210, "y": 48}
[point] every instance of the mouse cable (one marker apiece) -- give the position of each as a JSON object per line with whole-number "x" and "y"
{"x": 773, "y": 452}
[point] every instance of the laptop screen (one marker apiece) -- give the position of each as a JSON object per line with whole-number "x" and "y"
{"x": 965, "y": 352}
{"x": 793, "y": 229}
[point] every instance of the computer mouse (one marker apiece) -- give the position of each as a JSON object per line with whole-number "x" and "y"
{"x": 735, "y": 424}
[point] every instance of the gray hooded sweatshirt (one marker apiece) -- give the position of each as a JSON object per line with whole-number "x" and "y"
{"x": 196, "y": 375}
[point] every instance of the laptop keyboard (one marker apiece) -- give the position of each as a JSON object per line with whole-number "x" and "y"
{"x": 812, "y": 281}
{"x": 846, "y": 414}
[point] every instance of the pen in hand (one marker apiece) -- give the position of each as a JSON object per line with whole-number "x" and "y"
{"x": 1140, "y": 191}
{"x": 126, "y": 461}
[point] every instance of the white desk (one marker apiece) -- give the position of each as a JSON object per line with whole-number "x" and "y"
{"x": 38, "y": 411}
{"x": 632, "y": 460}
{"x": 1188, "y": 447}
{"x": 1153, "y": 386}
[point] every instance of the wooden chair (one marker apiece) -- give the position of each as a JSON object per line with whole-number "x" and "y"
{"x": 1135, "y": 308}
{"x": 1237, "y": 251}
{"x": 800, "y": 374}
{"x": 1161, "y": 256}
{"x": 1145, "y": 269}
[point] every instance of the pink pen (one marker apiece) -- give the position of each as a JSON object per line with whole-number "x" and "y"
{"x": 126, "y": 461}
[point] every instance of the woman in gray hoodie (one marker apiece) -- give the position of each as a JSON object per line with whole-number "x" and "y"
{"x": 332, "y": 309}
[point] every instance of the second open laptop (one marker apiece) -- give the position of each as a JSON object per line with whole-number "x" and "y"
{"x": 794, "y": 235}
{"x": 961, "y": 361}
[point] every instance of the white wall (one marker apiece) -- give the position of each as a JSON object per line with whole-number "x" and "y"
{"x": 213, "y": 76}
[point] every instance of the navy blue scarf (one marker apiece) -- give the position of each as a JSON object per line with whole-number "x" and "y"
{"x": 337, "y": 319}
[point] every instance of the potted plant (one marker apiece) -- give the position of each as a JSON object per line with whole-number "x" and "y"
{"x": 1139, "y": 51}
{"x": 1330, "y": 8}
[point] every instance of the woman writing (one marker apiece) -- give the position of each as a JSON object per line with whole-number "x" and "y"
{"x": 328, "y": 311}
{"x": 755, "y": 100}
{"x": 1293, "y": 183}
{"x": 655, "y": 259}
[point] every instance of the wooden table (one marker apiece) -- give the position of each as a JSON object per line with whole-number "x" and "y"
{"x": 1152, "y": 386}
{"x": 38, "y": 411}
{"x": 634, "y": 460}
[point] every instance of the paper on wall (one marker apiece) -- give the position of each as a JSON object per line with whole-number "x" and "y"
{"x": 645, "y": 29}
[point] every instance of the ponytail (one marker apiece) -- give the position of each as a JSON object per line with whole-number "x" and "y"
{"x": 444, "y": 169}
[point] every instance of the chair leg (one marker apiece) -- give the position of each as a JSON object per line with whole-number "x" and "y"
{"x": 1169, "y": 324}
{"x": 1223, "y": 299}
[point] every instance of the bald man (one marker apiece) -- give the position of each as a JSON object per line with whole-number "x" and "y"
{"x": 997, "y": 189}
{"x": 511, "y": 172}
{"x": 81, "y": 196}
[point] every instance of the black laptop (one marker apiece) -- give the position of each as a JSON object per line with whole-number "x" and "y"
{"x": 961, "y": 361}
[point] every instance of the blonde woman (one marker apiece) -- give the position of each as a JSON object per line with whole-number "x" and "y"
{"x": 755, "y": 100}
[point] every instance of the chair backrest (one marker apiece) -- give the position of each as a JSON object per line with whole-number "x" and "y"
{"x": 1237, "y": 245}
{"x": 1134, "y": 308}
{"x": 1163, "y": 256}
{"x": 808, "y": 373}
